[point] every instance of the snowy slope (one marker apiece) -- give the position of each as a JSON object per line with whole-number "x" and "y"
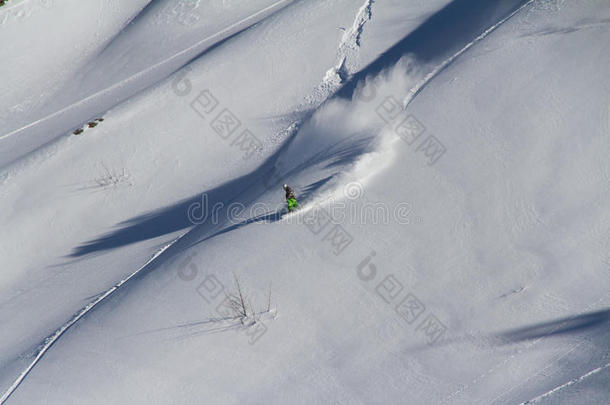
{"x": 159, "y": 39}
{"x": 479, "y": 275}
{"x": 123, "y": 174}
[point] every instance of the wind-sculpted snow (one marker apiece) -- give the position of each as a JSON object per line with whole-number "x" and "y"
{"x": 176, "y": 218}
{"x": 451, "y": 244}
{"x": 105, "y": 82}
{"x": 442, "y": 35}
{"x": 317, "y": 147}
{"x": 49, "y": 341}
{"x": 347, "y": 55}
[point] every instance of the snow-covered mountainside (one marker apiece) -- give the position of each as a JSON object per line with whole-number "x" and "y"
{"x": 451, "y": 163}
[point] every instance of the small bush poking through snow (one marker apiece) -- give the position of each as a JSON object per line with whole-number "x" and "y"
{"x": 241, "y": 306}
{"x": 112, "y": 178}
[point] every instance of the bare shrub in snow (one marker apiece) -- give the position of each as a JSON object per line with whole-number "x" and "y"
{"x": 241, "y": 305}
{"x": 112, "y": 178}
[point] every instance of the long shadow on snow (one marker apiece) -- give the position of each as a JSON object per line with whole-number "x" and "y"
{"x": 109, "y": 58}
{"x": 560, "y": 326}
{"x": 145, "y": 11}
{"x": 243, "y": 190}
{"x": 269, "y": 217}
{"x": 598, "y": 321}
{"x": 440, "y": 36}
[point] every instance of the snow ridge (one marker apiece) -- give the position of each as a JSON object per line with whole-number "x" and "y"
{"x": 154, "y": 69}
{"x": 347, "y": 55}
{"x": 350, "y": 44}
{"x": 364, "y": 14}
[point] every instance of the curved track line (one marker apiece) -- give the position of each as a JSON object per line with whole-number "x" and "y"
{"x": 419, "y": 87}
{"x": 514, "y": 355}
{"x": 571, "y": 382}
{"x": 49, "y": 341}
{"x": 224, "y": 32}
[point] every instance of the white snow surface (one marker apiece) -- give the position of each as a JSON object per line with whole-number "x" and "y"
{"x": 451, "y": 161}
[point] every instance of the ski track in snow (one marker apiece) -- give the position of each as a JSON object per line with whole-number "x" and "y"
{"x": 419, "y": 87}
{"x": 333, "y": 79}
{"x": 518, "y": 352}
{"x": 407, "y": 100}
{"x": 351, "y": 40}
{"x": 49, "y": 341}
{"x": 571, "y": 382}
{"x": 204, "y": 42}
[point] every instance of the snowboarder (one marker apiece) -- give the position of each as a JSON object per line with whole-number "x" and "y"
{"x": 290, "y": 198}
